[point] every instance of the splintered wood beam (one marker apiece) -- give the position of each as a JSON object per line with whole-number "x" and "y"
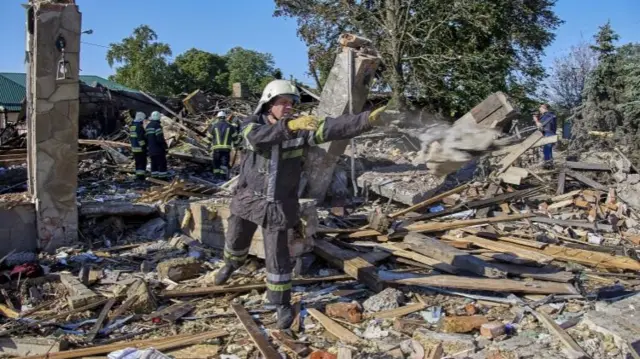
{"x": 398, "y": 312}
{"x": 587, "y": 225}
{"x": 505, "y": 248}
{"x": 587, "y": 166}
{"x": 562, "y": 178}
{"x": 286, "y": 341}
{"x": 509, "y": 159}
{"x": 589, "y": 258}
{"x": 441, "y": 251}
{"x": 445, "y": 226}
{"x": 488, "y": 284}
{"x": 573, "y": 350}
{"x": 254, "y": 332}
{"x": 397, "y": 249}
{"x": 103, "y": 315}
{"x": 356, "y": 267}
{"x": 334, "y": 328}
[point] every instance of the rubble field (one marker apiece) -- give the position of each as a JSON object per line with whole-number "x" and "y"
{"x": 502, "y": 259}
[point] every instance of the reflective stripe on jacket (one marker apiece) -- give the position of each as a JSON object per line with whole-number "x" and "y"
{"x": 137, "y": 137}
{"x": 155, "y": 139}
{"x": 222, "y": 135}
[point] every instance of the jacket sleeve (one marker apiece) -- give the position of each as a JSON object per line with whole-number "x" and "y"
{"x": 339, "y": 128}
{"x": 262, "y": 137}
{"x": 160, "y": 137}
{"x": 141, "y": 136}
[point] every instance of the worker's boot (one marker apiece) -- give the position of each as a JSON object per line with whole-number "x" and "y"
{"x": 224, "y": 274}
{"x": 285, "y": 316}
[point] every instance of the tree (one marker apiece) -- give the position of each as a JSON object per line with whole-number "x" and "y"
{"x": 252, "y": 68}
{"x": 450, "y": 53}
{"x": 197, "y": 69}
{"x": 142, "y": 61}
{"x": 629, "y": 57}
{"x": 569, "y": 75}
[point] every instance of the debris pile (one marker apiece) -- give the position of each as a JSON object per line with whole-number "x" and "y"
{"x": 500, "y": 260}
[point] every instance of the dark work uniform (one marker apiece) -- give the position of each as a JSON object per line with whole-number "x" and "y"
{"x": 223, "y": 136}
{"x": 549, "y": 128}
{"x": 139, "y": 148}
{"x": 157, "y": 149}
{"x": 267, "y": 191}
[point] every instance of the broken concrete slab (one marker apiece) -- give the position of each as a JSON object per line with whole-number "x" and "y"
{"x": 620, "y": 320}
{"x": 79, "y": 294}
{"x": 451, "y": 343}
{"x": 27, "y": 346}
{"x": 179, "y": 269}
{"x": 388, "y": 299}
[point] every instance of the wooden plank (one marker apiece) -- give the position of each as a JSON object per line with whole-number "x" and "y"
{"x": 522, "y": 242}
{"x": 489, "y": 284}
{"x": 541, "y": 142}
{"x": 586, "y": 180}
{"x": 104, "y": 143}
{"x": 587, "y": 166}
{"x": 561, "y": 204}
{"x": 589, "y": 258}
{"x": 124, "y": 307}
{"x": 505, "y": 248}
{"x": 254, "y": 332}
{"x": 446, "y": 226}
{"x": 190, "y": 292}
{"x": 592, "y": 226}
{"x": 539, "y": 273}
{"x": 186, "y": 129}
{"x": 286, "y": 341}
{"x": 573, "y": 350}
{"x": 334, "y": 328}
{"x": 518, "y": 151}
{"x": 396, "y": 250}
{"x": 398, "y": 312}
{"x": 442, "y": 252}
{"x": 514, "y": 175}
{"x": 565, "y": 196}
{"x": 429, "y": 201}
{"x": 103, "y": 315}
{"x": 356, "y": 267}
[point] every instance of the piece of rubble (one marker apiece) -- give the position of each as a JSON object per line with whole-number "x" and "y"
{"x": 153, "y": 229}
{"x": 463, "y": 324}
{"x": 31, "y": 346}
{"x": 349, "y": 311}
{"x": 451, "y": 343}
{"x": 179, "y": 269}
{"x": 79, "y": 294}
{"x": 492, "y": 330}
{"x": 145, "y": 301}
{"x": 388, "y": 299}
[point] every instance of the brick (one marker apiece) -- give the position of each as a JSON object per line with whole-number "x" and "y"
{"x": 179, "y": 269}
{"x": 348, "y": 311}
{"x": 492, "y": 330}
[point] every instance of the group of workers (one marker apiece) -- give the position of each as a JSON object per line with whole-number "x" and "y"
{"x": 148, "y": 141}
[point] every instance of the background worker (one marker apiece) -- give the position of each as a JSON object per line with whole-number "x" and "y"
{"x": 157, "y": 146}
{"x": 139, "y": 145}
{"x": 223, "y": 136}
{"x": 267, "y": 190}
{"x": 547, "y": 123}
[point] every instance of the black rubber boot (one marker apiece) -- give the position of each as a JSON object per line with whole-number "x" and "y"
{"x": 224, "y": 274}
{"x": 285, "y": 316}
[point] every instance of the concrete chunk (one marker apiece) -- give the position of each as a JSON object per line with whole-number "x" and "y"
{"x": 179, "y": 269}
{"x": 79, "y": 294}
{"x": 451, "y": 343}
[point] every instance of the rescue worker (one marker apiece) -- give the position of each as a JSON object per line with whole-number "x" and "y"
{"x": 139, "y": 145}
{"x": 223, "y": 136}
{"x": 267, "y": 191}
{"x": 157, "y": 146}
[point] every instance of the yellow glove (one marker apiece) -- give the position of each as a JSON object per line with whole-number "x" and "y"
{"x": 374, "y": 116}
{"x": 304, "y": 123}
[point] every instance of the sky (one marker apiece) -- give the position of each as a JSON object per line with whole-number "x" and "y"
{"x": 219, "y": 25}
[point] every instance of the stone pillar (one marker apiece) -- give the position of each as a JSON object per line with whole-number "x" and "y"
{"x": 321, "y": 160}
{"x": 54, "y": 121}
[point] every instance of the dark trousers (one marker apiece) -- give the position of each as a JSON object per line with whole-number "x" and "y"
{"x": 140, "y": 159}
{"x": 221, "y": 159}
{"x": 159, "y": 166}
{"x": 276, "y": 252}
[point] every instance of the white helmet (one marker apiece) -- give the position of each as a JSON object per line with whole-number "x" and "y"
{"x": 277, "y": 88}
{"x": 221, "y": 114}
{"x": 140, "y": 116}
{"x": 155, "y": 116}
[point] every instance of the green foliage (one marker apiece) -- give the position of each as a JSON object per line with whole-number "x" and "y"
{"x": 254, "y": 69}
{"x": 452, "y": 54}
{"x": 197, "y": 69}
{"x": 142, "y": 61}
{"x": 142, "y": 64}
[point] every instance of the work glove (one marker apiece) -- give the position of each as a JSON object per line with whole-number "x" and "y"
{"x": 304, "y": 123}
{"x": 384, "y": 116}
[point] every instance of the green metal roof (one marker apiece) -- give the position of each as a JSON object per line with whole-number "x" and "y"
{"x": 11, "y": 94}
{"x": 13, "y": 87}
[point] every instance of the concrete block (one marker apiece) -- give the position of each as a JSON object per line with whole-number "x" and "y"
{"x": 79, "y": 294}
{"x": 492, "y": 330}
{"x": 145, "y": 301}
{"x": 179, "y": 269}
